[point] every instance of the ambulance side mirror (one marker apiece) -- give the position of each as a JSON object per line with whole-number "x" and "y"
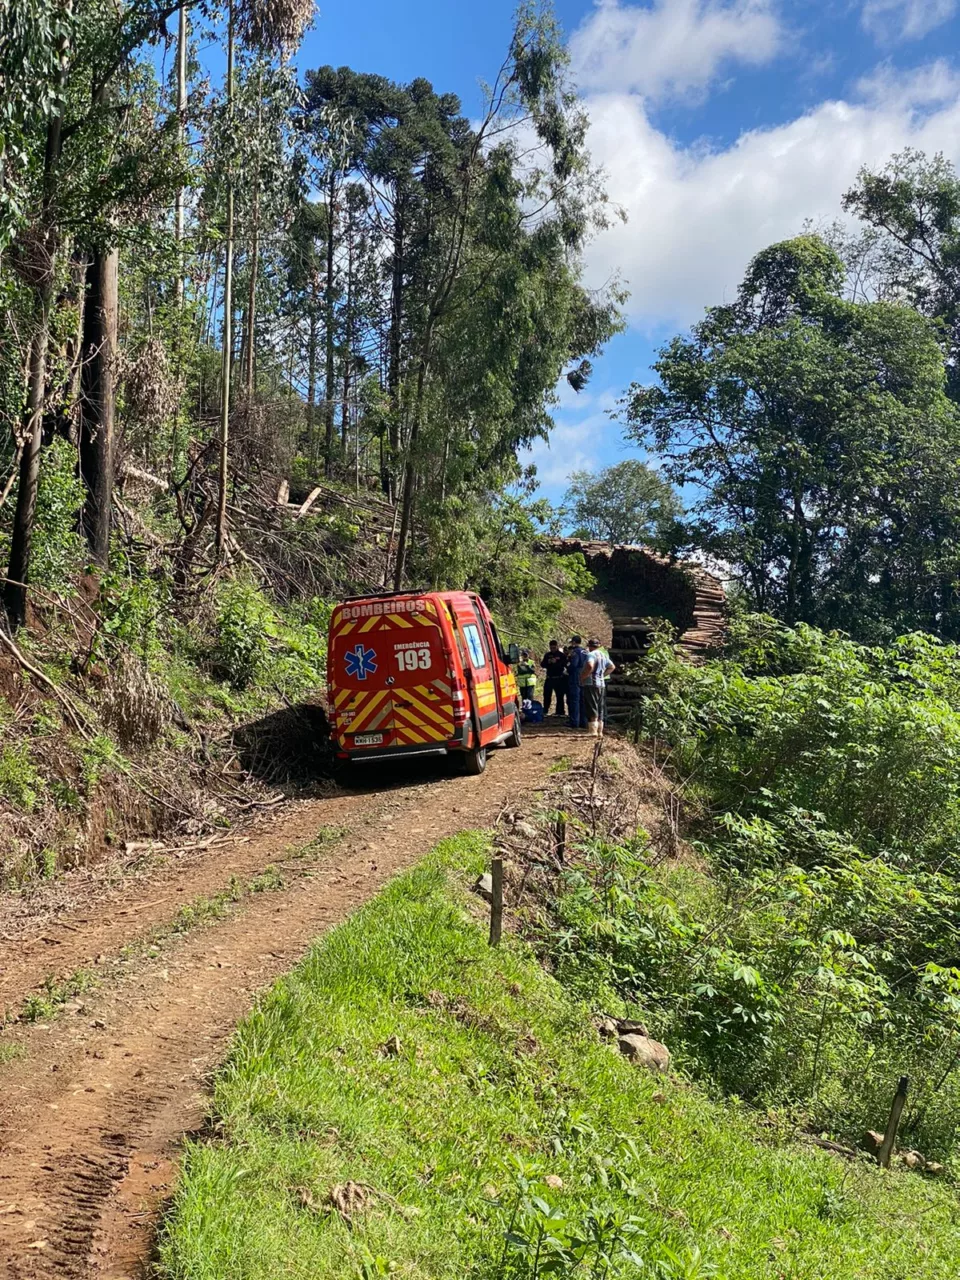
{"x": 513, "y": 653}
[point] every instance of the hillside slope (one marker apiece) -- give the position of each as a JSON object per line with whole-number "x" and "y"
{"x": 412, "y": 1102}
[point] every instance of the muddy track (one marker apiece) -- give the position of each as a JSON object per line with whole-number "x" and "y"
{"x": 93, "y": 1112}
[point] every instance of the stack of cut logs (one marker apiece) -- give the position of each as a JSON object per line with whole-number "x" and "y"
{"x": 665, "y": 587}
{"x": 631, "y": 640}
{"x": 709, "y": 617}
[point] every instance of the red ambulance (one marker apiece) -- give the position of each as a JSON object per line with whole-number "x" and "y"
{"x": 420, "y": 673}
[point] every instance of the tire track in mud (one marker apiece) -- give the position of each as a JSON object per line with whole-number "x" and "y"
{"x": 92, "y": 1117}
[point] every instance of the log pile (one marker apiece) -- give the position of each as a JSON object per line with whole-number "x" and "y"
{"x": 686, "y": 594}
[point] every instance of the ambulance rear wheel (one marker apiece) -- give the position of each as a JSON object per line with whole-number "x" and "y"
{"x": 515, "y": 736}
{"x": 475, "y": 761}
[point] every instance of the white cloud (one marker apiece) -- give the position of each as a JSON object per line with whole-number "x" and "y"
{"x": 576, "y": 445}
{"x": 697, "y": 216}
{"x": 670, "y": 46}
{"x": 890, "y": 20}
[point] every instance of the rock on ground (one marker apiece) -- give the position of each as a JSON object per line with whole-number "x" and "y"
{"x": 645, "y": 1052}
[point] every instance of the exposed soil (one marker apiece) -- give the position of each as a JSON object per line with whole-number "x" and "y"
{"x": 585, "y": 617}
{"x": 93, "y": 1112}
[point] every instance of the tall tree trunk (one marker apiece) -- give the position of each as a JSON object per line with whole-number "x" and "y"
{"x": 395, "y": 350}
{"x": 330, "y": 336}
{"x": 347, "y": 344}
{"x": 250, "y": 362}
{"x": 411, "y": 470}
{"x": 182, "y": 38}
{"x": 227, "y": 364}
{"x": 249, "y": 372}
{"x": 97, "y": 400}
{"x": 18, "y": 565}
{"x": 312, "y": 376}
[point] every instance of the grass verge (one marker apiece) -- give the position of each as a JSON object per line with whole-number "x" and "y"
{"x": 411, "y": 1102}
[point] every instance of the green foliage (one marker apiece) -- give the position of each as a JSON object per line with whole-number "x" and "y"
{"x": 58, "y": 550}
{"x": 97, "y": 756}
{"x": 132, "y": 605}
{"x": 243, "y": 627}
{"x": 824, "y": 446}
{"x": 255, "y": 645}
{"x": 495, "y": 1123}
{"x": 911, "y": 248}
{"x": 818, "y": 963}
{"x": 20, "y": 782}
{"x": 55, "y": 992}
{"x": 625, "y": 503}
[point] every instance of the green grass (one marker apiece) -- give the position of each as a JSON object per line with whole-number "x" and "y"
{"x": 495, "y": 1082}
{"x": 10, "y": 1052}
{"x": 203, "y": 910}
{"x": 55, "y": 992}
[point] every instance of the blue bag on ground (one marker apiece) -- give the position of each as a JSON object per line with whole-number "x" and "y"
{"x": 531, "y": 712}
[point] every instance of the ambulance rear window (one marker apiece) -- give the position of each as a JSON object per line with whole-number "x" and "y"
{"x": 475, "y": 645}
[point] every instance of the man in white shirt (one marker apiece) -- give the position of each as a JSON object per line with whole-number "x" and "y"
{"x": 593, "y": 686}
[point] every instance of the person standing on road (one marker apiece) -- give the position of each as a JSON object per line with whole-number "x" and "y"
{"x": 554, "y": 664}
{"x": 526, "y": 677}
{"x": 593, "y": 685}
{"x": 576, "y": 657}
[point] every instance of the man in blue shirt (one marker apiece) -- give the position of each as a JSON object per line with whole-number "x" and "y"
{"x": 576, "y": 657}
{"x": 593, "y": 686}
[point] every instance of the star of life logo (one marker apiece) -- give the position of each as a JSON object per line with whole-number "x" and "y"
{"x": 360, "y": 662}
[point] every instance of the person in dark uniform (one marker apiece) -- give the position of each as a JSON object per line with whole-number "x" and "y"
{"x": 576, "y": 657}
{"x": 554, "y": 664}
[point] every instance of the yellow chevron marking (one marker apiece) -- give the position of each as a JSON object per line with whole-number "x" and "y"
{"x": 366, "y": 711}
{"x": 410, "y": 734}
{"x": 430, "y": 712}
{"x": 380, "y": 720}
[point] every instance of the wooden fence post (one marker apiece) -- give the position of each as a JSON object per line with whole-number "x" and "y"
{"x": 496, "y": 901}
{"x": 893, "y": 1123}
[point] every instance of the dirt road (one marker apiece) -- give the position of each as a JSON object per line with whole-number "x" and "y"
{"x": 94, "y": 1108}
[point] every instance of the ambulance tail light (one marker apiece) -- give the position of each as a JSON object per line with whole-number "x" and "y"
{"x": 459, "y": 706}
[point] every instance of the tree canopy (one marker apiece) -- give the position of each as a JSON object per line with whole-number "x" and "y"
{"x": 629, "y": 502}
{"x": 820, "y": 435}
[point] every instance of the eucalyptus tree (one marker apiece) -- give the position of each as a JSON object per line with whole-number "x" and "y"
{"x": 629, "y": 502}
{"x": 520, "y": 204}
{"x": 481, "y": 229}
{"x": 271, "y": 28}
{"x": 71, "y": 166}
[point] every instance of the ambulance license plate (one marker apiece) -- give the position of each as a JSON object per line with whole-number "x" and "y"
{"x": 368, "y": 739}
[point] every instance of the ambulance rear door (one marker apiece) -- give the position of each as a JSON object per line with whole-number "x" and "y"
{"x": 390, "y": 673}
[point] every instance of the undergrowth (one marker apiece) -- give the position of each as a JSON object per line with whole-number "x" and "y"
{"x": 411, "y": 1102}
{"x": 812, "y": 959}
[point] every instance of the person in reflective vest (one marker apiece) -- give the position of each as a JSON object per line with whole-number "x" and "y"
{"x": 526, "y": 674}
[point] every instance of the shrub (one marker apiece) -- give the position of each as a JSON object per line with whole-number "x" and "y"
{"x": 243, "y": 628}
{"x": 816, "y": 961}
{"x": 20, "y": 783}
{"x": 132, "y": 604}
{"x": 58, "y": 550}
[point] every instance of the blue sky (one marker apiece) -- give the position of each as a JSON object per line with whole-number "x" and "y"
{"x": 721, "y": 124}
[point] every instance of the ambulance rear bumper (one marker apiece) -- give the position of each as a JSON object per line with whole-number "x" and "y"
{"x": 363, "y": 754}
